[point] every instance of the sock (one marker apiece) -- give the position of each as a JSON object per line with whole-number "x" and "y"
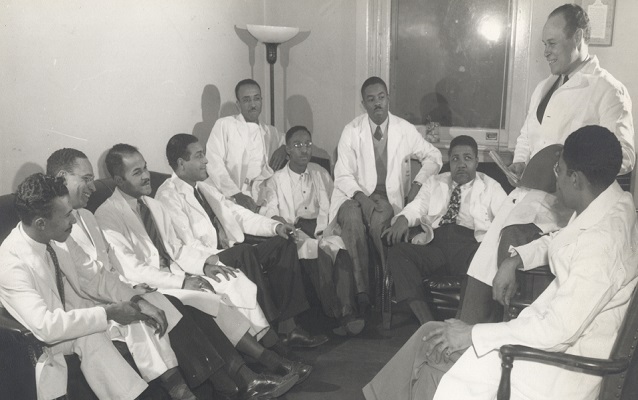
{"x": 244, "y": 376}
{"x": 270, "y": 360}
{"x": 223, "y": 383}
{"x": 174, "y": 383}
{"x": 270, "y": 339}
{"x": 287, "y": 326}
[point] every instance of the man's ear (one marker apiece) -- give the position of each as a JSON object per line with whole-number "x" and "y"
{"x": 578, "y": 180}
{"x": 39, "y": 223}
{"x": 578, "y": 37}
{"x": 118, "y": 180}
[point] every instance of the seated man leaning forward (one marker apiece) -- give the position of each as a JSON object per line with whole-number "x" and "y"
{"x": 46, "y": 283}
{"x": 372, "y": 176}
{"x": 240, "y": 147}
{"x": 205, "y": 219}
{"x": 454, "y": 209}
{"x": 594, "y": 259}
{"x": 300, "y": 194}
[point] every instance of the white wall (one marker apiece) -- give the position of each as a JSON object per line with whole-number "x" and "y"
{"x": 91, "y": 74}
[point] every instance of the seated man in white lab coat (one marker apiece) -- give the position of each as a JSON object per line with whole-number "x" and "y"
{"x": 300, "y": 194}
{"x": 204, "y": 218}
{"x": 54, "y": 289}
{"x": 372, "y": 177}
{"x": 454, "y": 210}
{"x": 141, "y": 232}
{"x": 578, "y": 92}
{"x": 202, "y": 350}
{"x": 239, "y": 149}
{"x": 595, "y": 261}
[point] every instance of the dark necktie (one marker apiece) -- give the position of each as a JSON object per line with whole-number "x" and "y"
{"x": 222, "y": 239}
{"x": 540, "y": 111}
{"x": 378, "y": 134}
{"x": 453, "y": 208}
{"x": 153, "y": 233}
{"x": 58, "y": 274}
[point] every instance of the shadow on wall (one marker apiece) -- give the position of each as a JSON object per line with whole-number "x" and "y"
{"x": 25, "y": 170}
{"x": 212, "y": 110}
{"x": 299, "y": 112}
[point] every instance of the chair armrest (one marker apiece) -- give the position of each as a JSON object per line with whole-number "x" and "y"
{"x": 597, "y": 366}
{"x": 444, "y": 283}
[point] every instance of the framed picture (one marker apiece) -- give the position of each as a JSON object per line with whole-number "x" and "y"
{"x": 601, "y": 18}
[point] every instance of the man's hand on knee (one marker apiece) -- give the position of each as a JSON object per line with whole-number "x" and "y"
{"x": 504, "y": 284}
{"x": 446, "y": 343}
{"x": 396, "y": 233}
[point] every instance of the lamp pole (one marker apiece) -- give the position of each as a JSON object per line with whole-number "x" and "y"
{"x": 271, "y": 57}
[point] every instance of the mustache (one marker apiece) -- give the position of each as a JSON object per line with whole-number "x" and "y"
{"x": 146, "y": 182}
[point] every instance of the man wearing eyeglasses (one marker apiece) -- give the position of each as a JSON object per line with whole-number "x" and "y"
{"x": 244, "y": 152}
{"x": 299, "y": 194}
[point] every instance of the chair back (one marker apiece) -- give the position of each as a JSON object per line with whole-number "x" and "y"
{"x": 624, "y": 385}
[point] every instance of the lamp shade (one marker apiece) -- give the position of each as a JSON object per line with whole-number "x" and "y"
{"x": 272, "y": 34}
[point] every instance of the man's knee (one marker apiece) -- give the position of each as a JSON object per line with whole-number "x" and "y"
{"x": 349, "y": 216}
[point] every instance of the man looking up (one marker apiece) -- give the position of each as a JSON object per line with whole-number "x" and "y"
{"x": 372, "y": 177}
{"x": 577, "y": 93}
{"x": 204, "y": 218}
{"x": 239, "y": 148}
{"x": 455, "y": 210}
{"x": 300, "y": 194}
{"x": 45, "y": 281}
{"x": 595, "y": 261}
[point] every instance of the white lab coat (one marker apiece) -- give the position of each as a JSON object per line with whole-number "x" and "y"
{"x": 228, "y": 157}
{"x": 280, "y": 202}
{"x": 193, "y": 225}
{"x": 595, "y": 260}
{"x": 28, "y": 291}
{"x": 152, "y": 355}
{"x": 355, "y": 169}
{"x": 592, "y": 96}
{"x": 431, "y": 203}
{"x": 140, "y": 261}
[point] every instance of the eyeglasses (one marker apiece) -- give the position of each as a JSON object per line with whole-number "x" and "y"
{"x": 556, "y": 169}
{"x": 301, "y": 145}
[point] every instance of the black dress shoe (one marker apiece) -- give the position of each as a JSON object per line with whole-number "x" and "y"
{"x": 296, "y": 368}
{"x": 266, "y": 387}
{"x": 300, "y": 338}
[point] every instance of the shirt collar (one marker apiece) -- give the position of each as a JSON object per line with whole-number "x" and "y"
{"x": 130, "y": 200}
{"x": 39, "y": 248}
{"x": 294, "y": 175}
{"x": 242, "y": 119}
{"x": 384, "y": 125}
{"x": 464, "y": 186}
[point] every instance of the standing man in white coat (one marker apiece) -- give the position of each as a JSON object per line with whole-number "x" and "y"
{"x": 372, "y": 177}
{"x": 595, "y": 261}
{"x": 239, "y": 149}
{"x": 577, "y": 93}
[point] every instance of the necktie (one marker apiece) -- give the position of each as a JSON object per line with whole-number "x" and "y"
{"x": 453, "y": 208}
{"x": 58, "y": 273}
{"x": 378, "y": 134}
{"x": 153, "y": 233}
{"x": 540, "y": 112}
{"x": 222, "y": 242}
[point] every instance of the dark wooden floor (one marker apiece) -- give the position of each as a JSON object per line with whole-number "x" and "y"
{"x": 344, "y": 365}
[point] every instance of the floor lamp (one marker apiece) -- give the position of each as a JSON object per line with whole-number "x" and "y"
{"x": 272, "y": 36}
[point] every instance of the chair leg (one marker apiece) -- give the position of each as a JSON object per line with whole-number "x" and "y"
{"x": 386, "y": 300}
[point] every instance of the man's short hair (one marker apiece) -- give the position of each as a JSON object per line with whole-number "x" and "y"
{"x": 177, "y": 147}
{"x": 63, "y": 160}
{"x": 373, "y": 80}
{"x": 35, "y": 195}
{"x": 575, "y": 18}
{"x": 463, "y": 140}
{"x": 115, "y": 158}
{"x": 295, "y": 129}
{"x": 596, "y": 152}
{"x": 245, "y": 82}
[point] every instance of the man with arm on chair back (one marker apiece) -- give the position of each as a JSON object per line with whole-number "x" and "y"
{"x": 595, "y": 260}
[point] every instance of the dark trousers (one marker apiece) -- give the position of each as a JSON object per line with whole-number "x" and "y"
{"x": 200, "y": 346}
{"x": 477, "y": 304}
{"x": 449, "y": 253}
{"x": 273, "y": 266}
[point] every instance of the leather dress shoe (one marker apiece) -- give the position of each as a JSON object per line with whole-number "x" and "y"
{"x": 350, "y": 326}
{"x": 300, "y": 338}
{"x": 266, "y": 387}
{"x": 296, "y": 368}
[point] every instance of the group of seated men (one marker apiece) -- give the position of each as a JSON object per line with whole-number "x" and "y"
{"x": 178, "y": 278}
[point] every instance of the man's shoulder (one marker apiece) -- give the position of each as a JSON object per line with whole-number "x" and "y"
{"x": 314, "y": 168}
{"x": 356, "y": 123}
{"x": 11, "y": 245}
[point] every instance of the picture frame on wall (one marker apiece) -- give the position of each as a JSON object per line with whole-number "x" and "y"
{"x": 601, "y": 18}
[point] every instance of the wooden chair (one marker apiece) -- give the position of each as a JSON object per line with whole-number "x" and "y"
{"x": 619, "y": 371}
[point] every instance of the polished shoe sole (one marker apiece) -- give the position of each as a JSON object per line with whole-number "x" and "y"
{"x": 280, "y": 390}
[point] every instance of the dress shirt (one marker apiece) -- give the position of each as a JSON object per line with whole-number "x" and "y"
{"x": 303, "y": 194}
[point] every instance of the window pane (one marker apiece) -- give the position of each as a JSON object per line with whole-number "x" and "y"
{"x": 449, "y": 61}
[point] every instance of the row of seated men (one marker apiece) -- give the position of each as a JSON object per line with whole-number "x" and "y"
{"x": 585, "y": 230}
{"x": 187, "y": 242}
